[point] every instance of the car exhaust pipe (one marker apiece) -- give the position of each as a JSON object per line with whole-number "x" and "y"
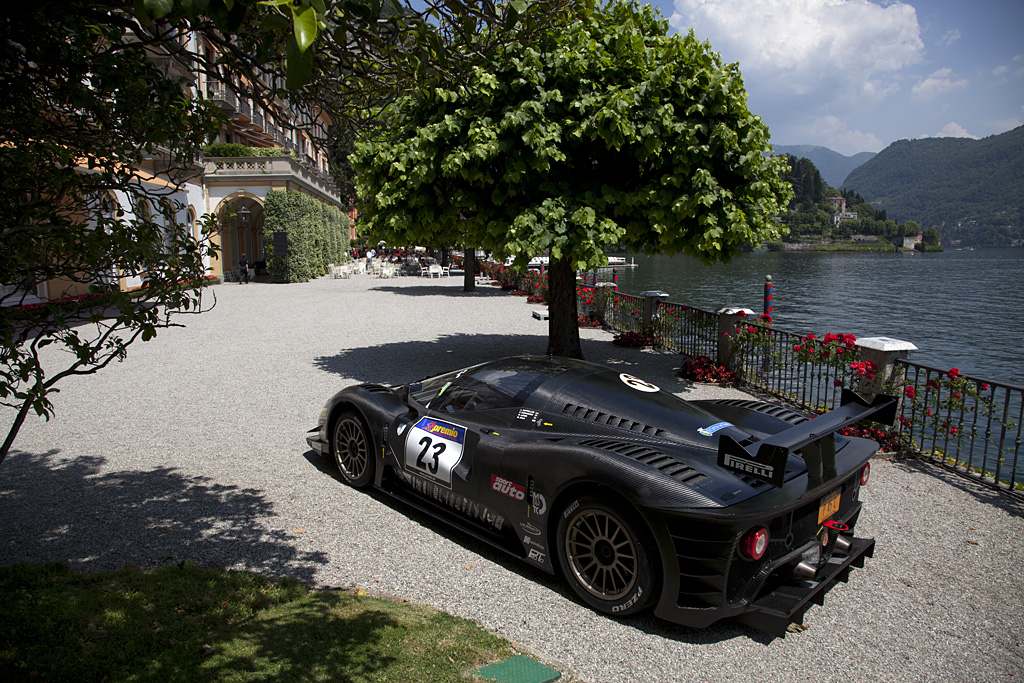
{"x": 805, "y": 571}
{"x": 842, "y": 546}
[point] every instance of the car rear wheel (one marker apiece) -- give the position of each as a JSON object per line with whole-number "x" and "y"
{"x": 352, "y": 449}
{"x": 603, "y": 551}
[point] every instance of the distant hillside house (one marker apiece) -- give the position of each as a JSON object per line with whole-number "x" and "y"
{"x": 844, "y": 216}
{"x": 838, "y": 203}
{"x": 908, "y": 241}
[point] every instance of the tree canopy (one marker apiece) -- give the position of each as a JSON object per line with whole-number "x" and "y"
{"x": 601, "y": 129}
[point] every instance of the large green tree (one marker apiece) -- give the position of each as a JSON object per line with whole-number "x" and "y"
{"x": 600, "y": 129}
{"x": 101, "y": 109}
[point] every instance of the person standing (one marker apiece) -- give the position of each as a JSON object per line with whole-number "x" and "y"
{"x": 243, "y": 267}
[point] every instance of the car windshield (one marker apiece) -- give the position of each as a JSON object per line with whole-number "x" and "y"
{"x": 491, "y": 386}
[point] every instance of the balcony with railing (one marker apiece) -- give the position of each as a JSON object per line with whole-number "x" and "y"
{"x": 272, "y": 170}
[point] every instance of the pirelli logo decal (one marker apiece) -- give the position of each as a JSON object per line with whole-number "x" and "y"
{"x": 768, "y": 465}
{"x": 749, "y": 466}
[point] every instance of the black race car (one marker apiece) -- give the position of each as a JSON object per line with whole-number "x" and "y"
{"x": 701, "y": 509}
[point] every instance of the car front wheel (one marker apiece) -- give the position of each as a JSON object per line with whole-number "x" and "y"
{"x": 604, "y": 555}
{"x": 352, "y": 449}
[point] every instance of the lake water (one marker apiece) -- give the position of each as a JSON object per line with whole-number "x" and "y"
{"x": 962, "y": 309}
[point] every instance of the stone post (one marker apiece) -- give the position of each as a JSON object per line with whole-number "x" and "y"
{"x": 883, "y": 352}
{"x": 727, "y": 318}
{"x": 651, "y": 300}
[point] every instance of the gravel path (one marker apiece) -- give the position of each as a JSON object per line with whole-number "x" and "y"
{"x": 193, "y": 448}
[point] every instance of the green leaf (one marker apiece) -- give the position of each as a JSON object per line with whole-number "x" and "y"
{"x": 299, "y": 66}
{"x": 305, "y": 26}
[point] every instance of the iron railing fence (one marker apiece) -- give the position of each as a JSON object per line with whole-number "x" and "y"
{"x": 769, "y": 360}
{"x": 968, "y": 424}
{"x": 965, "y": 423}
{"x": 687, "y": 330}
{"x": 624, "y": 312}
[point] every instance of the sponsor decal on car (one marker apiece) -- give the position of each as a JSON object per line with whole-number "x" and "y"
{"x": 538, "y": 503}
{"x": 529, "y": 528}
{"x": 638, "y": 384}
{"x": 536, "y": 556}
{"x": 455, "y": 501}
{"x": 433, "y": 449}
{"x": 529, "y": 540}
{"x": 568, "y": 510}
{"x": 749, "y": 466}
{"x": 708, "y": 431}
{"x": 509, "y": 488}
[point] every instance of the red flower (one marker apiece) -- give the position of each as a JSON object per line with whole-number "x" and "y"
{"x": 953, "y": 373}
{"x": 796, "y": 349}
{"x": 909, "y": 391}
{"x": 984, "y": 387}
{"x": 751, "y": 329}
{"x": 837, "y": 382}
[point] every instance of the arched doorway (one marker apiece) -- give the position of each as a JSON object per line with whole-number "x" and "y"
{"x": 242, "y": 233}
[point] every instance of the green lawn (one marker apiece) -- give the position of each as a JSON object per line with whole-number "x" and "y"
{"x": 183, "y": 623}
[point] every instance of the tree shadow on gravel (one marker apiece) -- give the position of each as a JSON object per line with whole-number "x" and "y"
{"x": 1006, "y": 502}
{"x": 399, "y": 362}
{"x": 69, "y": 510}
{"x": 726, "y": 630}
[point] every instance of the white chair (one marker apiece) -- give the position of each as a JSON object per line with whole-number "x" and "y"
{"x": 435, "y": 270}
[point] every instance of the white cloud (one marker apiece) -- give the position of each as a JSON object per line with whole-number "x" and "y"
{"x": 950, "y": 37}
{"x": 804, "y": 46}
{"x": 953, "y": 130}
{"x": 939, "y": 83}
{"x": 1016, "y": 65}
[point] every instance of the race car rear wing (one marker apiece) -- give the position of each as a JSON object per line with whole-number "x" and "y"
{"x": 766, "y": 459}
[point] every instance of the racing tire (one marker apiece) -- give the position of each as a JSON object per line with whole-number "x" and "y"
{"x": 604, "y": 552}
{"x": 353, "y": 450}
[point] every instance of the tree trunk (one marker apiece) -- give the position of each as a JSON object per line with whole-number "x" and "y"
{"x": 469, "y": 266}
{"x": 563, "y": 321}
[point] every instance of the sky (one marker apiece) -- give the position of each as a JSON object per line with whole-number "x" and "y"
{"x": 857, "y": 75}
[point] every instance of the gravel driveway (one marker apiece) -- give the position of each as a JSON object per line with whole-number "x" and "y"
{"x": 193, "y": 448}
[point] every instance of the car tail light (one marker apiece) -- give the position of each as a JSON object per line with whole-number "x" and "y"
{"x": 865, "y": 474}
{"x": 754, "y": 543}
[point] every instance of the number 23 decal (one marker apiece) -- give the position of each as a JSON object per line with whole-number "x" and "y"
{"x": 438, "y": 449}
{"x": 433, "y": 448}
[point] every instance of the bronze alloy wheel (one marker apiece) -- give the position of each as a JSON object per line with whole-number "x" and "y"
{"x": 602, "y": 554}
{"x": 352, "y": 450}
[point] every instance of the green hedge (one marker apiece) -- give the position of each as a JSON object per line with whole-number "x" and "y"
{"x": 235, "y": 149}
{"x": 317, "y": 236}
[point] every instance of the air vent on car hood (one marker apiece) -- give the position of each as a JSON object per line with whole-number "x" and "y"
{"x": 597, "y": 417}
{"x": 780, "y": 412}
{"x": 377, "y": 388}
{"x": 660, "y": 461}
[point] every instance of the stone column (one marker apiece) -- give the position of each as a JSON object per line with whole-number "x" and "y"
{"x": 727, "y": 321}
{"x": 651, "y": 299}
{"x": 883, "y": 352}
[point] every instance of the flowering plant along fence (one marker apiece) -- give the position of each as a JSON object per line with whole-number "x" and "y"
{"x": 967, "y": 424}
{"x": 970, "y": 425}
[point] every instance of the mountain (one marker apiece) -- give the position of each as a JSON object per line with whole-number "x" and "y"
{"x": 956, "y": 184}
{"x": 833, "y": 166}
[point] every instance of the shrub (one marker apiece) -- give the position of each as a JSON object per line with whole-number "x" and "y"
{"x": 316, "y": 234}
{"x": 235, "y": 149}
{"x": 703, "y": 369}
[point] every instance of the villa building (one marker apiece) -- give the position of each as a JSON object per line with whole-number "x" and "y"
{"x": 230, "y": 188}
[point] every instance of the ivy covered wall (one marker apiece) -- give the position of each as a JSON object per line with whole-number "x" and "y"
{"x": 316, "y": 235}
